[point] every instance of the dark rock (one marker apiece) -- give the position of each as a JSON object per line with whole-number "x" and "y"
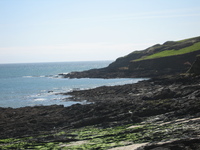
{"x": 195, "y": 68}
{"x": 163, "y": 94}
{"x": 117, "y": 105}
{"x": 184, "y": 144}
{"x": 163, "y": 66}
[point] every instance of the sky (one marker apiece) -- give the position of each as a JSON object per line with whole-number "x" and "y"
{"x": 89, "y": 30}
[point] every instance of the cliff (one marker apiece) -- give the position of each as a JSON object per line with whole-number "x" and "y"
{"x": 195, "y": 69}
{"x": 172, "y": 57}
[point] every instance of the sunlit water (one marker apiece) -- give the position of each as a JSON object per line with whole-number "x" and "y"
{"x": 37, "y": 83}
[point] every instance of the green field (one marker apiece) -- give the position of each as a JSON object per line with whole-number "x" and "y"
{"x": 172, "y": 52}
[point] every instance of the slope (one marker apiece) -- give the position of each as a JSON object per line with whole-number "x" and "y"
{"x": 172, "y": 57}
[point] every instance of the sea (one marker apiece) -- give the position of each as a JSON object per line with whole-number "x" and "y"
{"x": 35, "y": 84}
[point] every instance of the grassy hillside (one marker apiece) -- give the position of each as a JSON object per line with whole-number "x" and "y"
{"x": 169, "y": 48}
{"x": 194, "y": 47}
{"x": 171, "y": 57}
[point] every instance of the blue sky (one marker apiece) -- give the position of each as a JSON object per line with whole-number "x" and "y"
{"x": 87, "y": 30}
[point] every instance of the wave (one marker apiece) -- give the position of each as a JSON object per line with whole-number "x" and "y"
{"x": 33, "y": 76}
{"x": 27, "y": 76}
{"x": 45, "y": 76}
{"x": 40, "y": 99}
{"x": 42, "y": 76}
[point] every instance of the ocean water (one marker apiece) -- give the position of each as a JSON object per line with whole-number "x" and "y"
{"x": 34, "y": 84}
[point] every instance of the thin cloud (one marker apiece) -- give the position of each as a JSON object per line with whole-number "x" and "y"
{"x": 173, "y": 13}
{"x": 144, "y": 15}
{"x": 68, "y": 52}
{"x": 73, "y": 47}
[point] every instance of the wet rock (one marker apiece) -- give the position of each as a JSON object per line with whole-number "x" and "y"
{"x": 184, "y": 144}
{"x": 111, "y": 106}
{"x": 161, "y": 94}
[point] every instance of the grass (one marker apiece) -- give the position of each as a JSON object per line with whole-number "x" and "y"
{"x": 186, "y": 39}
{"x": 172, "y": 52}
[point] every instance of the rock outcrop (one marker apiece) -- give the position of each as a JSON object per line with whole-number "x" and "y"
{"x": 195, "y": 69}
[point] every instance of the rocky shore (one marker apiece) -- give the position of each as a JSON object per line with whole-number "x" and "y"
{"x": 162, "y": 113}
{"x": 166, "y": 111}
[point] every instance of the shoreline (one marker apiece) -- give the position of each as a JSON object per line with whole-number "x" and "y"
{"x": 155, "y": 101}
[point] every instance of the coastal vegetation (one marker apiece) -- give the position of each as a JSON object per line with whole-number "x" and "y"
{"x": 92, "y": 137}
{"x": 172, "y": 52}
